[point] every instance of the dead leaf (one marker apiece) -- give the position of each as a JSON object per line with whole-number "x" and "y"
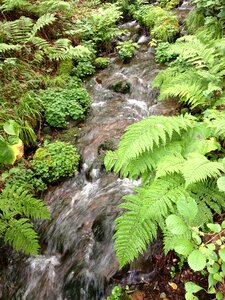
{"x": 173, "y": 285}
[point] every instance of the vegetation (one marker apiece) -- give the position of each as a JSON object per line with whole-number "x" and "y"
{"x": 180, "y": 159}
{"x": 44, "y": 52}
{"x": 47, "y": 48}
{"x": 126, "y": 50}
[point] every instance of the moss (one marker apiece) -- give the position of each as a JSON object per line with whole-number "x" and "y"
{"x": 121, "y": 86}
{"x": 65, "y": 67}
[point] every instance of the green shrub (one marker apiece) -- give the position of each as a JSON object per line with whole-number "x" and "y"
{"x": 162, "y": 55}
{"x": 22, "y": 176}
{"x": 100, "y": 27}
{"x": 169, "y": 4}
{"x": 54, "y": 161}
{"x": 163, "y": 25}
{"x": 126, "y": 50}
{"x": 83, "y": 69}
{"x": 101, "y": 62}
{"x": 64, "y": 103}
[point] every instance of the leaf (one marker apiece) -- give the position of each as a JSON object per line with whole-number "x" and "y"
{"x": 214, "y": 227}
{"x": 7, "y": 155}
{"x": 188, "y": 208}
{"x": 218, "y": 277}
{"x": 221, "y": 183}
{"x": 11, "y": 127}
{"x": 191, "y": 287}
{"x": 219, "y": 296}
{"x": 222, "y": 254}
{"x": 197, "y": 260}
{"x": 199, "y": 168}
{"x": 190, "y": 296}
{"x": 183, "y": 246}
{"x": 176, "y": 225}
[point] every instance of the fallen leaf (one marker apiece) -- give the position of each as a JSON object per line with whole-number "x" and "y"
{"x": 173, "y": 285}
{"x": 138, "y": 295}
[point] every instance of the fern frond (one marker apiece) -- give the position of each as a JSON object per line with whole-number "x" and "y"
{"x": 18, "y": 30}
{"x": 218, "y": 125}
{"x": 14, "y": 4}
{"x": 194, "y": 51}
{"x": 138, "y": 225}
{"x": 198, "y": 168}
{"x": 23, "y": 203}
{"x": 51, "y": 6}
{"x": 187, "y": 86}
{"x": 7, "y": 47}
{"x": 170, "y": 164}
{"x": 43, "y": 21}
{"x": 208, "y": 198}
{"x": 144, "y": 136}
{"x": 21, "y": 236}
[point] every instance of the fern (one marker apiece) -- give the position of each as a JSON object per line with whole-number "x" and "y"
{"x": 199, "y": 168}
{"x": 21, "y": 236}
{"x": 43, "y": 21}
{"x": 196, "y": 76}
{"x": 14, "y": 4}
{"x": 169, "y": 155}
{"x": 143, "y": 137}
{"x": 7, "y": 47}
{"x": 146, "y": 210}
{"x": 19, "y": 233}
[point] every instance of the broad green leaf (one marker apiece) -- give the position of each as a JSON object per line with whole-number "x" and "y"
{"x": 211, "y": 281}
{"x": 214, "y": 227}
{"x": 10, "y": 153}
{"x": 223, "y": 268}
{"x": 176, "y": 225}
{"x": 198, "y": 140}
{"x": 222, "y": 254}
{"x": 191, "y": 287}
{"x": 223, "y": 224}
{"x": 219, "y": 296}
{"x": 183, "y": 246}
{"x": 197, "y": 260}
{"x": 218, "y": 277}
{"x": 221, "y": 183}
{"x": 214, "y": 269}
{"x": 11, "y": 127}
{"x": 188, "y": 208}
{"x": 190, "y": 296}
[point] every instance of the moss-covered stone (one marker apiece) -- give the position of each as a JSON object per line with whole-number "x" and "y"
{"x": 121, "y": 86}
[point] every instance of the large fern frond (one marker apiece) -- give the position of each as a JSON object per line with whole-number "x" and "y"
{"x": 143, "y": 136}
{"x": 17, "y": 31}
{"x": 17, "y": 201}
{"x": 8, "y": 47}
{"x": 43, "y": 21}
{"x": 21, "y": 236}
{"x": 198, "y": 168}
{"x": 144, "y": 211}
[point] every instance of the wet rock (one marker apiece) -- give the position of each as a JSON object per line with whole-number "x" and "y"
{"x": 143, "y": 40}
{"x": 166, "y": 108}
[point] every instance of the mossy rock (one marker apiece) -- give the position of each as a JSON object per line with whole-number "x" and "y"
{"x": 121, "y": 86}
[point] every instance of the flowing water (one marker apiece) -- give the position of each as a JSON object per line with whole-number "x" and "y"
{"x": 78, "y": 258}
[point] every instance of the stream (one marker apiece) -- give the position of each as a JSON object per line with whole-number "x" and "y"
{"x": 77, "y": 259}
